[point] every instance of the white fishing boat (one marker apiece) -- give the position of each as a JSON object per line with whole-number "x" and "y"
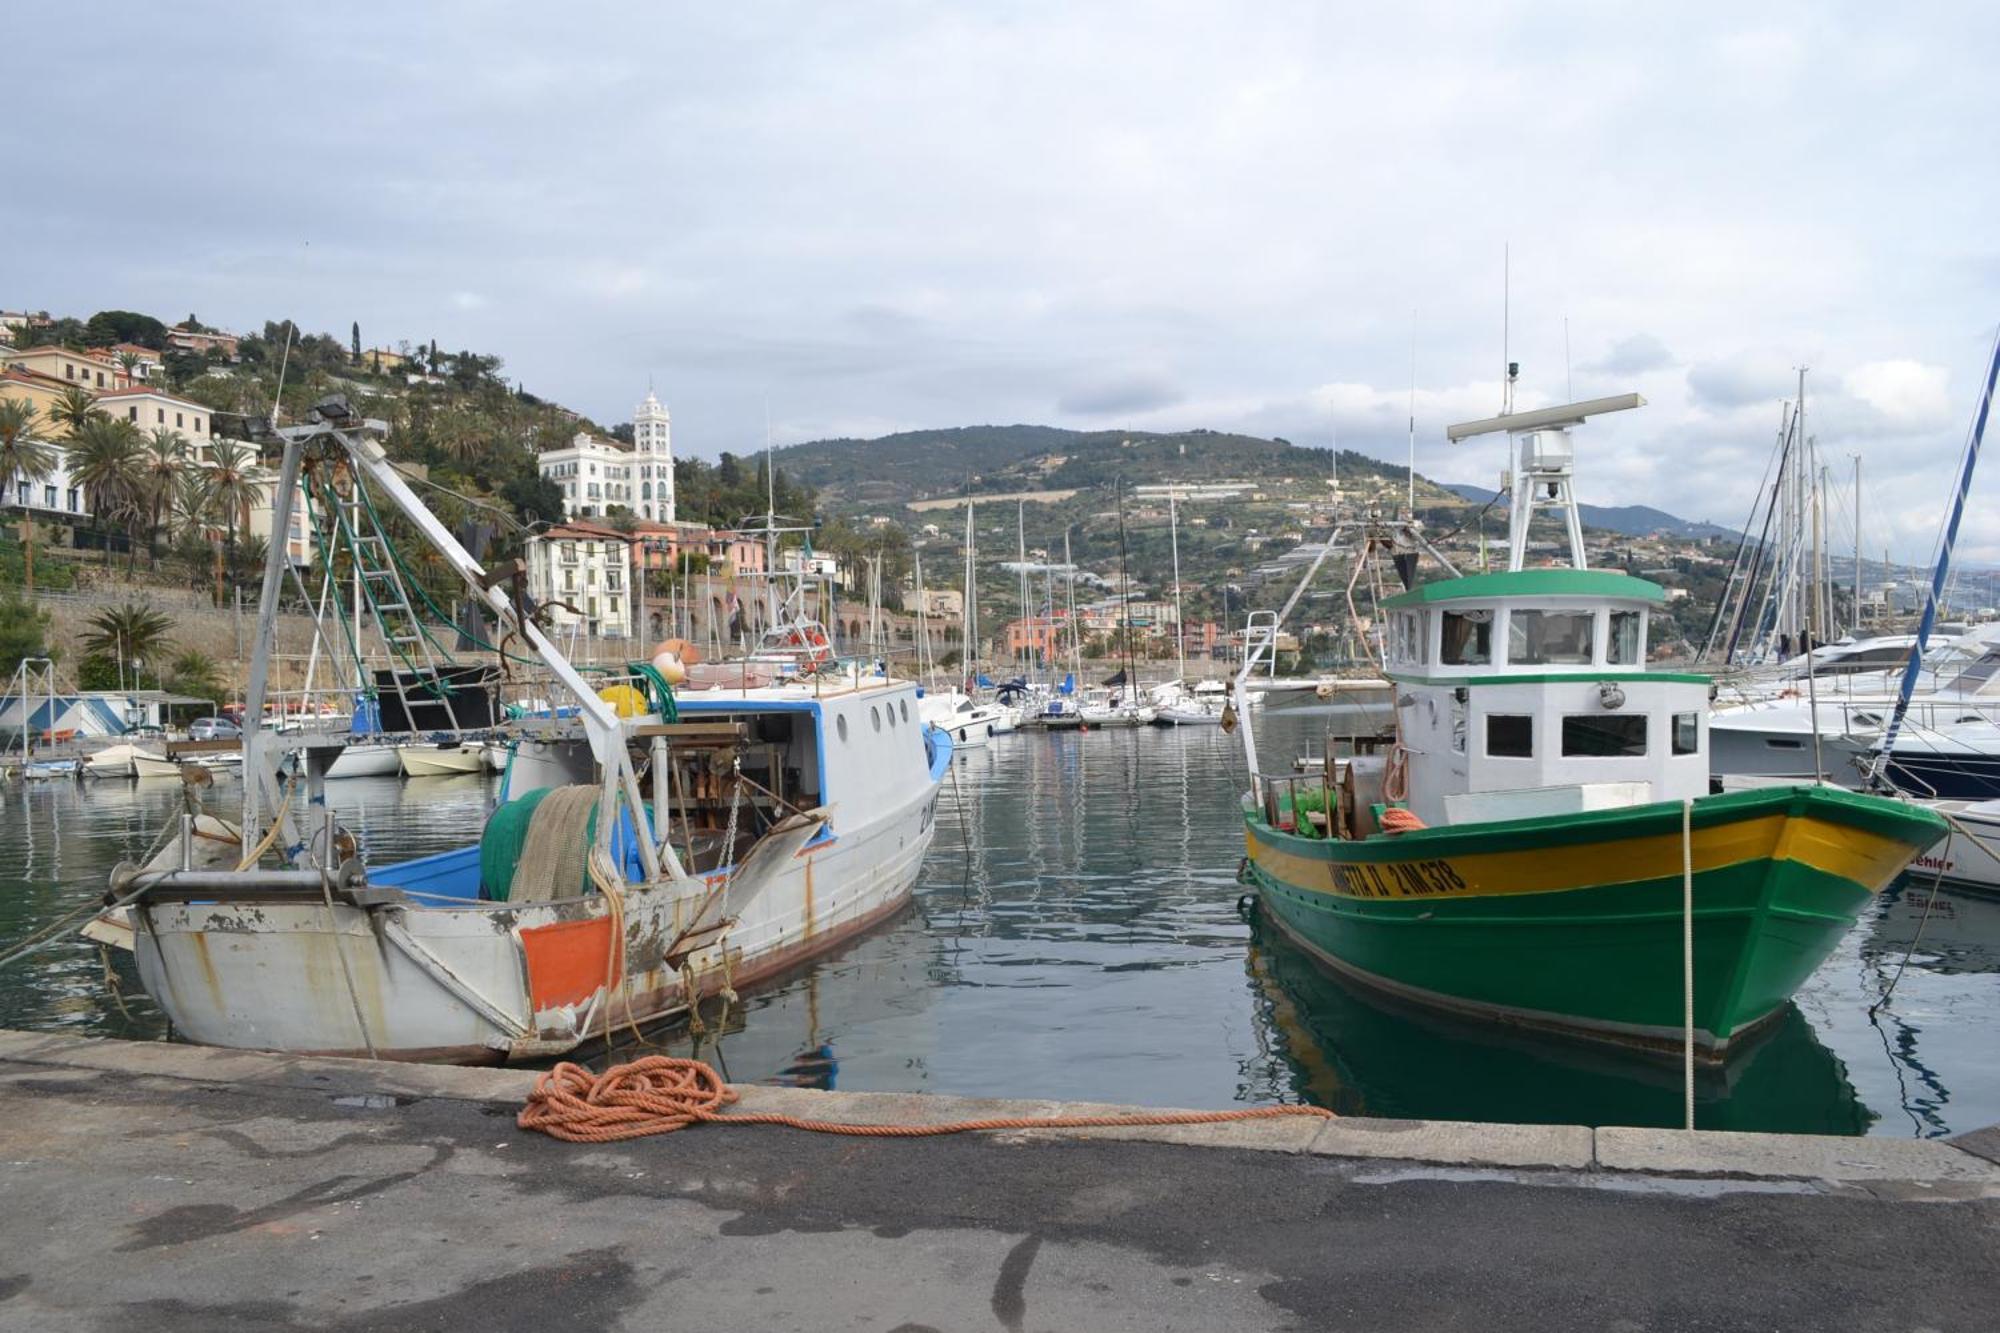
{"x": 117, "y": 761}
{"x": 632, "y": 865}
{"x": 154, "y": 766}
{"x": 440, "y": 759}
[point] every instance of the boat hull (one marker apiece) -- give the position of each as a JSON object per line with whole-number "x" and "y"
{"x": 492, "y": 982}
{"x": 1574, "y": 923}
{"x": 365, "y": 761}
{"x": 431, "y": 761}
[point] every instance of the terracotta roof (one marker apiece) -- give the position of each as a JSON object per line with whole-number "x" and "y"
{"x": 26, "y": 376}
{"x": 588, "y": 531}
{"x": 142, "y": 391}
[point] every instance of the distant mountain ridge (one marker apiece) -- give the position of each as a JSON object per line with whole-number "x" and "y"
{"x": 1631, "y": 520}
{"x": 925, "y": 464}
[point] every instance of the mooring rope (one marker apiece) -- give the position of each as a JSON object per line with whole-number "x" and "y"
{"x": 660, "y": 1094}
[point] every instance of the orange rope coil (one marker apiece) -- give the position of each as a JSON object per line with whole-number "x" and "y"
{"x": 1398, "y": 820}
{"x": 660, "y": 1094}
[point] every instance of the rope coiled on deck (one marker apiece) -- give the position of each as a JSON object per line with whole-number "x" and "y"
{"x": 660, "y": 1094}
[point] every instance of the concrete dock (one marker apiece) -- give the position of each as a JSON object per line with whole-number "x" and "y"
{"x": 162, "y": 1187}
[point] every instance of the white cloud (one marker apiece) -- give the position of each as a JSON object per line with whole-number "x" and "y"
{"x": 1907, "y": 396}
{"x": 1167, "y": 213}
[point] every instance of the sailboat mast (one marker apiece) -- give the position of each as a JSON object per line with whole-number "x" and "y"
{"x": 1021, "y": 536}
{"x": 1125, "y": 659}
{"x": 1069, "y": 609}
{"x": 1856, "y": 612}
{"x": 968, "y": 626}
{"x": 1180, "y": 626}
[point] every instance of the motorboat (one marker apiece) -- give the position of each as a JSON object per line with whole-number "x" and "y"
{"x": 971, "y": 722}
{"x": 116, "y": 761}
{"x": 440, "y": 759}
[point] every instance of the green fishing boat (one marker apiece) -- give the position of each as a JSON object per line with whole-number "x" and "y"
{"x": 1539, "y": 843}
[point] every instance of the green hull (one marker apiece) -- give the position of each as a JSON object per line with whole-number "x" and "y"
{"x": 1575, "y": 922}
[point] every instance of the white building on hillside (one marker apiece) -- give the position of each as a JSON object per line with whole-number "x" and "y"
{"x": 582, "y": 574}
{"x": 653, "y": 443}
{"x": 594, "y": 475}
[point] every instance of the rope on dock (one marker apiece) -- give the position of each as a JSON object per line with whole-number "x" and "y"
{"x": 660, "y": 1094}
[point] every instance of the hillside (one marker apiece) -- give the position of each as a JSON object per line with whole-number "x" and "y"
{"x": 917, "y": 465}
{"x": 1630, "y": 520}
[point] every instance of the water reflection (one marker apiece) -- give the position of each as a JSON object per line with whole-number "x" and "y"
{"x": 1363, "y": 1054}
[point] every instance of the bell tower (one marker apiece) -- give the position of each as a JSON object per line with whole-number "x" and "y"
{"x": 653, "y": 443}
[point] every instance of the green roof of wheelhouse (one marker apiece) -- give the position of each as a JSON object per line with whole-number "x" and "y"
{"x": 1533, "y": 583}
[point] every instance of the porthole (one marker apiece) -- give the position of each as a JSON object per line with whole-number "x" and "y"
{"x": 891, "y": 711}
{"x": 875, "y": 716}
{"x": 840, "y": 724}
{"x": 906, "y": 710}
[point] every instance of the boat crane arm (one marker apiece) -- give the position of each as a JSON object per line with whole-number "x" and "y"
{"x": 601, "y": 725}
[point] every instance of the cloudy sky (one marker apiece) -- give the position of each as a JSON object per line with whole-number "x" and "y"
{"x": 873, "y": 217}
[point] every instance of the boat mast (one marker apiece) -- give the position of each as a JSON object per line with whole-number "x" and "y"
{"x": 1887, "y": 745}
{"x": 968, "y": 623}
{"x": 1126, "y": 661}
{"x": 1180, "y": 627}
{"x": 1855, "y": 612}
{"x": 1021, "y": 536}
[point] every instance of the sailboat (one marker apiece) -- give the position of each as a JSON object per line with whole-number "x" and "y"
{"x": 1540, "y": 848}
{"x": 1178, "y": 703}
{"x": 972, "y": 721}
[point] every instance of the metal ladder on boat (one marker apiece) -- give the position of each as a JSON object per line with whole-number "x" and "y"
{"x": 1260, "y": 641}
{"x": 397, "y": 622}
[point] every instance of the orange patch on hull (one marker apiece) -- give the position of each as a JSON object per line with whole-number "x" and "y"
{"x": 568, "y": 962}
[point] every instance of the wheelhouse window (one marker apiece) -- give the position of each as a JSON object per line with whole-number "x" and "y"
{"x": 1603, "y": 735}
{"x": 1549, "y": 637}
{"x": 1628, "y": 638}
{"x": 1466, "y": 638}
{"x": 1687, "y": 733}
{"x": 1510, "y": 736}
{"x": 1411, "y": 634}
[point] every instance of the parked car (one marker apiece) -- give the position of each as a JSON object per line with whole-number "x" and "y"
{"x": 214, "y": 729}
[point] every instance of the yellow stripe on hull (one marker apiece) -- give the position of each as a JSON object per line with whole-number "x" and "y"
{"x": 1863, "y": 857}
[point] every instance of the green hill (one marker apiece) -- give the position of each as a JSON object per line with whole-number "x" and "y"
{"x": 918, "y": 465}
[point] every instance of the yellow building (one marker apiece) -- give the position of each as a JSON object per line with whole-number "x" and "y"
{"x": 151, "y": 409}
{"x": 93, "y": 370}
{"x": 35, "y": 388}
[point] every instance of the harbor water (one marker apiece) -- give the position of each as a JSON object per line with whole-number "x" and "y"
{"x": 1077, "y": 935}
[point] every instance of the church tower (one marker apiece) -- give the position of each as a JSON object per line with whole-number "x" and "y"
{"x": 653, "y": 445}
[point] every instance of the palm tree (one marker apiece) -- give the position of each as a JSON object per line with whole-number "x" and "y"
{"x": 74, "y": 410}
{"x": 105, "y": 460}
{"x": 462, "y": 438}
{"x": 195, "y": 673}
{"x": 236, "y": 484}
{"x": 129, "y": 363}
{"x": 24, "y": 460}
{"x": 127, "y": 633}
{"x": 165, "y": 463}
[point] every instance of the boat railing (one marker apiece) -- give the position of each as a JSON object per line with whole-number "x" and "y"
{"x": 1285, "y": 811}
